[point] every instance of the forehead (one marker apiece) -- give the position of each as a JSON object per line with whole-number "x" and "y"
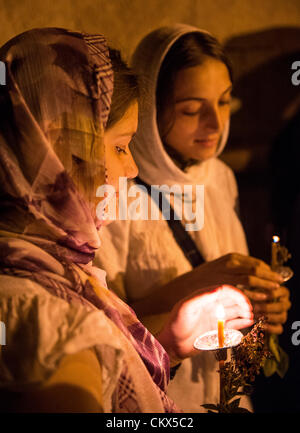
{"x": 128, "y": 124}
{"x": 209, "y": 78}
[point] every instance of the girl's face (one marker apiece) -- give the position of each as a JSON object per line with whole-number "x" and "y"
{"x": 119, "y": 161}
{"x": 202, "y": 108}
{"x": 118, "y": 157}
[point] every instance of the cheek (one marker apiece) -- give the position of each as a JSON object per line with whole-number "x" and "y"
{"x": 184, "y": 127}
{"x": 114, "y": 168}
{"x": 225, "y": 114}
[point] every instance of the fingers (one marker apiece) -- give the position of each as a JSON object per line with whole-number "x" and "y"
{"x": 254, "y": 281}
{"x": 272, "y": 307}
{"x": 251, "y": 271}
{"x": 237, "y": 260}
{"x": 255, "y": 295}
{"x": 275, "y": 312}
{"x": 281, "y": 292}
{"x": 274, "y": 329}
{"x": 239, "y": 323}
{"x": 275, "y": 319}
{"x": 234, "y": 312}
{"x": 230, "y": 296}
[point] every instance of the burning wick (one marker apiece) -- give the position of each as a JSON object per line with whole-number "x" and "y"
{"x": 275, "y": 245}
{"x": 220, "y": 313}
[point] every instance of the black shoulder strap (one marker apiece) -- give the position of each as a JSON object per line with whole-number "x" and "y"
{"x": 181, "y": 236}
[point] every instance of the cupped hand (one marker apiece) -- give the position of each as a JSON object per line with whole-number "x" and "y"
{"x": 273, "y": 304}
{"x": 196, "y": 314}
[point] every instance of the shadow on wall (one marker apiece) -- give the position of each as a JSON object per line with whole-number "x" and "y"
{"x": 264, "y": 150}
{"x": 262, "y": 84}
{"x": 265, "y": 101}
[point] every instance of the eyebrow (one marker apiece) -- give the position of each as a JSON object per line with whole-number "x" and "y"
{"x": 193, "y": 98}
{"x": 127, "y": 134}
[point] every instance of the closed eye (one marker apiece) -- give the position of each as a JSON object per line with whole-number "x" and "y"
{"x": 190, "y": 113}
{"x": 224, "y": 102}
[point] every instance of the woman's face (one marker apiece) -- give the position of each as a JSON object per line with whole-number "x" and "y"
{"x": 202, "y": 108}
{"x": 119, "y": 161}
{"x": 118, "y": 157}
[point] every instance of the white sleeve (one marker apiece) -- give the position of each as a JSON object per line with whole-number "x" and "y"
{"x": 113, "y": 254}
{"x": 233, "y": 190}
{"x": 232, "y": 183}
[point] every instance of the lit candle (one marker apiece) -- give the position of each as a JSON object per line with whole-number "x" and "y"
{"x": 275, "y": 245}
{"x": 221, "y": 320}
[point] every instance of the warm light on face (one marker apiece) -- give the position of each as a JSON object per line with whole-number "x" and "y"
{"x": 201, "y": 111}
{"x": 276, "y": 239}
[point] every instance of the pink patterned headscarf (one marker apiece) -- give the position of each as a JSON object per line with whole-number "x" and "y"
{"x": 58, "y": 92}
{"x": 56, "y": 100}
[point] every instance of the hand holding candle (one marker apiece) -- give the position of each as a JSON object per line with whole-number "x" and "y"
{"x": 196, "y": 315}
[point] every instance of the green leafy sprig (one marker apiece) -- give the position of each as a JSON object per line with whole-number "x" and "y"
{"x": 279, "y": 363}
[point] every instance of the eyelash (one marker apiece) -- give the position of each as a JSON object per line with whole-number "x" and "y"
{"x": 224, "y": 102}
{"x": 190, "y": 114}
{"x": 194, "y": 113}
{"x": 120, "y": 150}
{"x": 77, "y": 160}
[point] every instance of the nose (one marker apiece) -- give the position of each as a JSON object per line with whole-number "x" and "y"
{"x": 213, "y": 121}
{"x": 131, "y": 170}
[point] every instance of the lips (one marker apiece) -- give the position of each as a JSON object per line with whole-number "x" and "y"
{"x": 207, "y": 142}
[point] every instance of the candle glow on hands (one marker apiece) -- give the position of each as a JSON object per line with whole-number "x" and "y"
{"x": 220, "y": 313}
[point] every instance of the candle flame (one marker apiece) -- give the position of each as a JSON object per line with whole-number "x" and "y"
{"x": 276, "y": 239}
{"x": 220, "y": 312}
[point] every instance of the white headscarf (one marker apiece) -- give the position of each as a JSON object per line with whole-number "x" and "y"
{"x": 222, "y": 231}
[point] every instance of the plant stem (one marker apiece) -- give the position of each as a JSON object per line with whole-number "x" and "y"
{"x": 221, "y": 365}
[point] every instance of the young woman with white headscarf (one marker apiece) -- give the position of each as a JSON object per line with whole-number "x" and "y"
{"x": 183, "y": 128}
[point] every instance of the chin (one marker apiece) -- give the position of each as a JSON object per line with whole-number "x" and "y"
{"x": 203, "y": 155}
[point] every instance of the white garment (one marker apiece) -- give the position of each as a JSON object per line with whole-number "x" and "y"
{"x": 140, "y": 256}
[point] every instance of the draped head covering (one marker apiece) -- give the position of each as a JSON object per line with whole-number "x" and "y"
{"x": 222, "y": 231}
{"x": 53, "y": 111}
{"x": 147, "y": 61}
{"x": 55, "y": 103}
